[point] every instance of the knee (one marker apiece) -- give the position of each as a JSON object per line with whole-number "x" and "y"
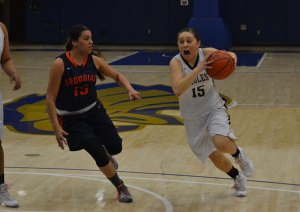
{"x": 102, "y": 161}
{"x": 115, "y": 150}
{"x": 216, "y": 156}
{"x": 119, "y": 149}
{"x": 97, "y": 151}
{"x": 222, "y": 143}
{"x": 114, "y": 147}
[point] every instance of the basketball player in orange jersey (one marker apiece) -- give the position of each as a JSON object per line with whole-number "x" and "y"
{"x": 9, "y": 68}
{"x": 206, "y": 120}
{"x": 79, "y": 120}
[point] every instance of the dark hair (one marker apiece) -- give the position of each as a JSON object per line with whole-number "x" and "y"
{"x": 74, "y": 34}
{"x": 96, "y": 51}
{"x": 191, "y": 30}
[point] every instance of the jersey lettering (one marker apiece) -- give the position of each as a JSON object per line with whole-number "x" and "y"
{"x": 79, "y": 79}
{"x": 81, "y": 90}
{"x": 198, "y": 91}
{"x": 201, "y": 78}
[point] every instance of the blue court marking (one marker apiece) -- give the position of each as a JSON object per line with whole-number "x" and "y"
{"x": 163, "y": 58}
{"x": 146, "y": 58}
{"x": 248, "y": 58}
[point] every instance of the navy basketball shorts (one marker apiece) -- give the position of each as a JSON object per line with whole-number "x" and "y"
{"x": 93, "y": 125}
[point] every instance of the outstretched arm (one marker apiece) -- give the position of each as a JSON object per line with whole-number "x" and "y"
{"x": 117, "y": 76}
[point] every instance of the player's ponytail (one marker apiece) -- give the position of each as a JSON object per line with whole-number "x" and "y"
{"x": 96, "y": 51}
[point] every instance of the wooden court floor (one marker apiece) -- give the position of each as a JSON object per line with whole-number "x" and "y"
{"x": 156, "y": 163}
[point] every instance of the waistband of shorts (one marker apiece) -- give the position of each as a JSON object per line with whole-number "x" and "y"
{"x": 83, "y": 110}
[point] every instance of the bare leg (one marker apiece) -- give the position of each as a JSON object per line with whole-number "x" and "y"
{"x": 225, "y": 165}
{"x": 108, "y": 170}
{"x": 224, "y": 144}
{"x": 221, "y": 161}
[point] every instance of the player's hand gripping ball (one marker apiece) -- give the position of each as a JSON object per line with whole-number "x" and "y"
{"x": 222, "y": 66}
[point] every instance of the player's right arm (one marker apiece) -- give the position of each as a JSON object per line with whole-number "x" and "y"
{"x": 179, "y": 82}
{"x": 55, "y": 76}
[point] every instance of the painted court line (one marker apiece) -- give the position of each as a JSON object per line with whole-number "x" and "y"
{"x": 122, "y": 57}
{"x": 83, "y": 176}
{"x": 167, "y": 204}
{"x": 261, "y": 60}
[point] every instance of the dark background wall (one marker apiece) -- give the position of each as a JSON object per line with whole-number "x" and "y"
{"x": 262, "y": 22}
{"x": 111, "y": 21}
{"x": 251, "y": 22}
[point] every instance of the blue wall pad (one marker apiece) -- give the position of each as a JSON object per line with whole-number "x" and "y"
{"x": 213, "y": 32}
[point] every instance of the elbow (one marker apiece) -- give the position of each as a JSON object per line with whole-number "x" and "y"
{"x": 177, "y": 92}
{"x": 48, "y": 104}
{"x": 49, "y": 100}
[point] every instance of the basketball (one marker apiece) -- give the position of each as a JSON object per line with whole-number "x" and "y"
{"x": 222, "y": 66}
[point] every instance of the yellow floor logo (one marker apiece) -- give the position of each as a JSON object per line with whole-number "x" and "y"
{"x": 159, "y": 106}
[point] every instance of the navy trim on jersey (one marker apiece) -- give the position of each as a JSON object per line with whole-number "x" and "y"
{"x": 195, "y": 64}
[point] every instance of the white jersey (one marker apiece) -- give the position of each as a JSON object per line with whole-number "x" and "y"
{"x": 202, "y": 96}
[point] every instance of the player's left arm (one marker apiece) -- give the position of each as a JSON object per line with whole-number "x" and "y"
{"x": 233, "y": 55}
{"x": 107, "y": 70}
{"x": 209, "y": 50}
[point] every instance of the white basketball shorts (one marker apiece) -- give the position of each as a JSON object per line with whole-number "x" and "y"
{"x": 200, "y": 131}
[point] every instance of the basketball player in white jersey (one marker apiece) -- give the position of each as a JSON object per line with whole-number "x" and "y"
{"x": 9, "y": 68}
{"x": 206, "y": 120}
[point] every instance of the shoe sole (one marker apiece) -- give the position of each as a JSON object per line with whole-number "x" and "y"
{"x": 128, "y": 201}
{"x": 241, "y": 194}
{"x": 9, "y": 206}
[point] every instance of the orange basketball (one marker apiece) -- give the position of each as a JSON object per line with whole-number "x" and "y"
{"x": 222, "y": 66}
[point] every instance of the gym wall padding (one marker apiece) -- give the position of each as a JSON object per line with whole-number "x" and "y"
{"x": 112, "y": 22}
{"x": 211, "y": 27}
